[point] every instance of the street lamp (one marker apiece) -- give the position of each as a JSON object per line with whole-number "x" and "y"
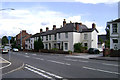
{"x": 7, "y": 9}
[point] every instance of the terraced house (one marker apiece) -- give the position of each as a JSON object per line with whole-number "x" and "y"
{"x": 65, "y": 37}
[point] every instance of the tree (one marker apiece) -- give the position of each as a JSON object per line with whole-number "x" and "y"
{"x": 107, "y": 29}
{"x": 107, "y": 43}
{"x": 38, "y": 44}
{"x": 4, "y": 40}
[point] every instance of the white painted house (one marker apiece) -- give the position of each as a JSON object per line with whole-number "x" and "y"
{"x": 29, "y": 43}
{"x": 65, "y": 37}
{"x": 114, "y": 34}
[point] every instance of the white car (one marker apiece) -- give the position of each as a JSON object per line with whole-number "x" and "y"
{"x": 5, "y": 51}
{"x": 15, "y": 50}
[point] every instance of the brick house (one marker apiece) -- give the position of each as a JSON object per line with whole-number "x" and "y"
{"x": 25, "y": 36}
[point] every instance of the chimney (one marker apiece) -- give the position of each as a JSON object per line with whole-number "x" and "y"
{"x": 47, "y": 28}
{"x": 80, "y": 24}
{"x": 64, "y": 22}
{"x": 77, "y": 26}
{"x": 93, "y": 25}
{"x": 54, "y": 27}
{"x": 41, "y": 30}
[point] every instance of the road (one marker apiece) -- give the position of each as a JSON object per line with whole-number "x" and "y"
{"x": 55, "y": 66}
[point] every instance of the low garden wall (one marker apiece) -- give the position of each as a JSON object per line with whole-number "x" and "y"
{"x": 111, "y": 53}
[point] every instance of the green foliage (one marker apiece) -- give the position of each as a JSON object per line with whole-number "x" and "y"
{"x": 107, "y": 29}
{"x": 78, "y": 47}
{"x": 38, "y": 44}
{"x": 107, "y": 44}
{"x": 4, "y": 40}
{"x": 101, "y": 40}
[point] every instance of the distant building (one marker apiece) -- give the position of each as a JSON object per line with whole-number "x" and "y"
{"x": 101, "y": 42}
{"x": 114, "y": 34}
{"x": 25, "y": 36}
{"x": 29, "y": 43}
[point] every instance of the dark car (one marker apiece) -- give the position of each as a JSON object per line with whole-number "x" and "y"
{"x": 93, "y": 51}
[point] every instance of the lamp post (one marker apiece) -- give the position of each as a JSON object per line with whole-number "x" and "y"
{"x": 7, "y": 9}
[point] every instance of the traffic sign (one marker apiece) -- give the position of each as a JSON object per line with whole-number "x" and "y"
{"x": 9, "y": 37}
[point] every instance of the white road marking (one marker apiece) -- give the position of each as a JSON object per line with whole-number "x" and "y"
{"x": 39, "y": 73}
{"x": 58, "y": 62}
{"x": 27, "y": 56}
{"x": 6, "y": 65}
{"x": 38, "y": 58}
{"x": 48, "y": 73}
{"x": 110, "y": 64}
{"x": 101, "y": 70}
{"x": 14, "y": 69}
{"x": 77, "y": 60}
{"x": 26, "y": 53}
{"x": 34, "y": 54}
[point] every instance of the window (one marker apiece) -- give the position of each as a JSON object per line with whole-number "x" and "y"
{"x": 46, "y": 38}
{"x": 85, "y": 44}
{"x": 55, "y": 37}
{"x": 49, "y": 37}
{"x": 59, "y": 35}
{"x": 66, "y": 46}
{"x": 85, "y": 36}
{"x": 66, "y": 35}
{"x": 46, "y": 46}
{"x": 114, "y": 26}
{"x": 54, "y": 45}
{"x": 115, "y": 41}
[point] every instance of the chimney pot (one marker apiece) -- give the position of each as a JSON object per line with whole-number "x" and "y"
{"x": 47, "y": 28}
{"x": 54, "y": 27}
{"x": 64, "y": 22}
{"x": 93, "y": 25}
{"x": 41, "y": 30}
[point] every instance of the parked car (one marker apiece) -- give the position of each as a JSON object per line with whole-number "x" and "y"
{"x": 15, "y": 50}
{"x": 5, "y": 50}
{"x": 93, "y": 51}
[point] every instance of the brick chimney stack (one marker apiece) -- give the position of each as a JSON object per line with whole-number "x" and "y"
{"x": 93, "y": 25}
{"x": 80, "y": 24}
{"x": 77, "y": 26}
{"x": 54, "y": 27}
{"x": 41, "y": 30}
{"x": 47, "y": 28}
{"x": 64, "y": 22}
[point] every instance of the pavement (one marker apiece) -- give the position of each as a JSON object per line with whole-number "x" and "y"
{"x": 93, "y": 56}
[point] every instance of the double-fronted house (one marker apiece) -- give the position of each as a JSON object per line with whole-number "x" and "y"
{"x": 65, "y": 37}
{"x": 114, "y": 34}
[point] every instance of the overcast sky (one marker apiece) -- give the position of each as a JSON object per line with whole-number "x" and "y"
{"x": 33, "y": 15}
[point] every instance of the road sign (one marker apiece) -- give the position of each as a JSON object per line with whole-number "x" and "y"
{"x": 9, "y": 37}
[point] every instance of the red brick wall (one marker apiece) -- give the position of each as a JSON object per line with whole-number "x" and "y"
{"x": 25, "y": 36}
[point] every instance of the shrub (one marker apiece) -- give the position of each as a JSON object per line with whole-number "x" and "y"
{"x": 79, "y": 48}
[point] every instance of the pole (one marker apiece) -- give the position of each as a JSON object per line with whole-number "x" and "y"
{"x": 9, "y": 50}
{"x": 21, "y": 40}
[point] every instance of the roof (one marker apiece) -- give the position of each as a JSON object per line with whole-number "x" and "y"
{"x": 69, "y": 27}
{"x": 117, "y": 20}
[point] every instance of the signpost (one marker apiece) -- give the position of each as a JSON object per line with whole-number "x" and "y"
{"x": 9, "y": 38}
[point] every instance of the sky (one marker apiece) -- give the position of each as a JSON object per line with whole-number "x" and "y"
{"x": 34, "y": 15}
